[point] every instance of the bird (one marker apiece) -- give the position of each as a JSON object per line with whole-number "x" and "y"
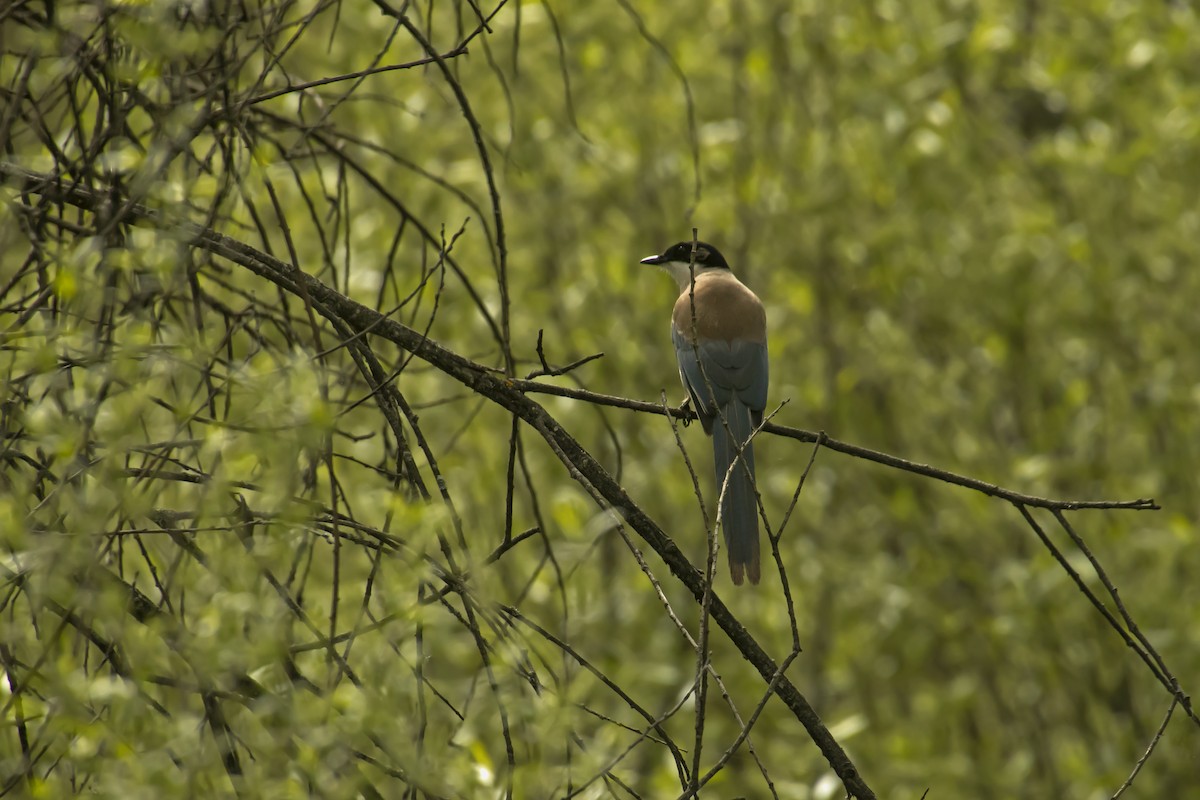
{"x": 719, "y": 328}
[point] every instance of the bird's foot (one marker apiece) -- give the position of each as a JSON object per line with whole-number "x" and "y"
{"x": 684, "y": 408}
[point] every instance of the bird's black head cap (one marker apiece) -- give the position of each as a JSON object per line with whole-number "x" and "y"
{"x": 705, "y": 255}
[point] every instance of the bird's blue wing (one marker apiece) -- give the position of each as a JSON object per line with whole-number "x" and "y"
{"x": 703, "y": 403}
{"x": 737, "y": 368}
{"x": 741, "y": 366}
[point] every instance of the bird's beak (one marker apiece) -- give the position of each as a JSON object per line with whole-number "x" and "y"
{"x": 653, "y": 260}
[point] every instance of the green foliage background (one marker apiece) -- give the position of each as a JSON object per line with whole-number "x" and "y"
{"x": 974, "y": 226}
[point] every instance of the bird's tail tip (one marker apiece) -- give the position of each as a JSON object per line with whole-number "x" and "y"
{"x": 739, "y": 571}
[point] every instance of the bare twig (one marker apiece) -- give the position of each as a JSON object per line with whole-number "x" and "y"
{"x": 1150, "y": 749}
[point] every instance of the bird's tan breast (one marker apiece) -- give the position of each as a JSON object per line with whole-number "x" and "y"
{"x": 724, "y": 309}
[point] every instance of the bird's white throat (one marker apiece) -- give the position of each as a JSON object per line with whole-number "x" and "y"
{"x": 681, "y": 271}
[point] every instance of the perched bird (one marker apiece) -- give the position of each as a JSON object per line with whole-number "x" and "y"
{"x": 720, "y": 333}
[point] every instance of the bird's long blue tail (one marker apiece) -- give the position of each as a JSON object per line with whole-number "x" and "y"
{"x": 739, "y": 516}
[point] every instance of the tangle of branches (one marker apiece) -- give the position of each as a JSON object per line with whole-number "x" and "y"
{"x": 222, "y": 495}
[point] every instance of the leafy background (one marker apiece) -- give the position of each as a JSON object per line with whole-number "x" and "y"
{"x": 973, "y": 225}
